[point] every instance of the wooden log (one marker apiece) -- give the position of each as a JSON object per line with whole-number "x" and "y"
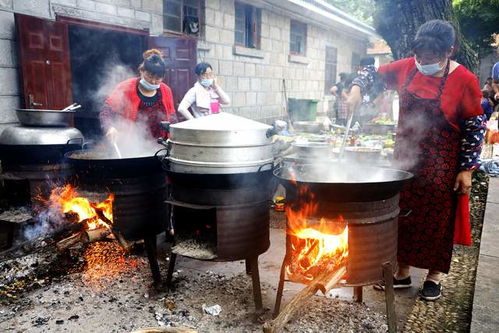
{"x": 83, "y": 237}
{"x": 327, "y": 279}
{"x": 126, "y": 245}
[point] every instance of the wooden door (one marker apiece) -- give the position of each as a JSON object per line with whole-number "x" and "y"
{"x": 44, "y": 62}
{"x": 180, "y": 58}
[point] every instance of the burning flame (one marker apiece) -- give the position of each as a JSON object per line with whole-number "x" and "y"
{"x": 314, "y": 245}
{"x": 95, "y": 215}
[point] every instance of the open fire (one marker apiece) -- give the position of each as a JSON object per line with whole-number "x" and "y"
{"x": 317, "y": 244}
{"x": 93, "y": 215}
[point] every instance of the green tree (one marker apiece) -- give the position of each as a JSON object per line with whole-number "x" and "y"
{"x": 362, "y": 10}
{"x": 479, "y": 20}
{"x": 398, "y": 20}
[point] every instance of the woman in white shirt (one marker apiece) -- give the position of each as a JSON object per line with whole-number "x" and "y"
{"x": 206, "y": 95}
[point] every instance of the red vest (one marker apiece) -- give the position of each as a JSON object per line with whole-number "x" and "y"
{"x": 125, "y": 100}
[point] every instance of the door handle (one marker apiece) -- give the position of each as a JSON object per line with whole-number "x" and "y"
{"x": 32, "y": 102}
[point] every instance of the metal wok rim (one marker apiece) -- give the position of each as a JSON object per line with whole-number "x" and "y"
{"x": 405, "y": 176}
{"x": 68, "y": 155}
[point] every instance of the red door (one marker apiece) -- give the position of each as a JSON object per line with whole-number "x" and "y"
{"x": 44, "y": 61}
{"x": 180, "y": 58}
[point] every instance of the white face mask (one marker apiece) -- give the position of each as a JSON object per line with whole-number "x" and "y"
{"x": 148, "y": 86}
{"x": 429, "y": 69}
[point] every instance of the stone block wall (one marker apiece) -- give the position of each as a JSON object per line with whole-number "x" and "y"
{"x": 254, "y": 78}
{"x": 137, "y": 14}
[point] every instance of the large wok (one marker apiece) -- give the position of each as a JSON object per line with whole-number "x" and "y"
{"x": 105, "y": 164}
{"x": 341, "y": 182}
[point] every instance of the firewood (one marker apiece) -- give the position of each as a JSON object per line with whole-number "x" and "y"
{"x": 126, "y": 245}
{"x": 165, "y": 330}
{"x": 67, "y": 242}
{"x": 323, "y": 282}
{"x": 82, "y": 237}
{"x": 100, "y": 214}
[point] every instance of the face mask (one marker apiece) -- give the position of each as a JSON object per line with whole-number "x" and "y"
{"x": 206, "y": 82}
{"x": 429, "y": 69}
{"x": 148, "y": 86}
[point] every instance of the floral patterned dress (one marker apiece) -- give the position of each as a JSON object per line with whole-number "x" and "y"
{"x": 440, "y": 132}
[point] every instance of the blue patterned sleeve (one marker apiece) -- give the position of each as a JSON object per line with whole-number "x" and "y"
{"x": 365, "y": 80}
{"x": 473, "y": 130}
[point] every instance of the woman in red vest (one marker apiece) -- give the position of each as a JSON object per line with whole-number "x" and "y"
{"x": 146, "y": 100}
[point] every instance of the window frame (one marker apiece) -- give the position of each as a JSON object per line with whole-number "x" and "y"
{"x": 302, "y": 34}
{"x": 252, "y": 21}
{"x": 355, "y": 60}
{"x": 200, "y": 9}
{"x": 331, "y": 59}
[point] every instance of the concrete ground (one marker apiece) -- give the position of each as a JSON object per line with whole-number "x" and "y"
{"x": 270, "y": 263}
{"x": 485, "y": 317}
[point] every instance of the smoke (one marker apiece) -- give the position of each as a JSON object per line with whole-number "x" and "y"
{"x": 48, "y": 216}
{"x": 115, "y": 73}
{"x": 134, "y": 139}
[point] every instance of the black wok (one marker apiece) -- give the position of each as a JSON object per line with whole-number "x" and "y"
{"x": 342, "y": 182}
{"x": 103, "y": 165}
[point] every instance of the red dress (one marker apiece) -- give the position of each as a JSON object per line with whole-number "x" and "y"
{"x": 429, "y": 144}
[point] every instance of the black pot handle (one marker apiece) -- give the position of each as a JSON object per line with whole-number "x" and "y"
{"x": 78, "y": 140}
{"x": 87, "y": 145}
{"x": 157, "y": 155}
{"x": 405, "y": 212}
{"x": 269, "y": 163}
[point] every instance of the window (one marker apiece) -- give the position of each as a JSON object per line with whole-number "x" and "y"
{"x": 355, "y": 62}
{"x": 182, "y": 16}
{"x": 248, "y": 24}
{"x": 330, "y": 70}
{"x": 298, "y": 38}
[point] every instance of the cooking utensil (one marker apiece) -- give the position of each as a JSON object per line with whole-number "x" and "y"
{"x": 345, "y": 137}
{"x": 219, "y": 144}
{"x": 103, "y": 164}
{"x": 68, "y": 107}
{"x": 45, "y": 118}
{"x": 342, "y": 182}
{"x": 117, "y": 150}
{"x": 307, "y": 126}
{"x": 363, "y": 155}
{"x": 315, "y": 150}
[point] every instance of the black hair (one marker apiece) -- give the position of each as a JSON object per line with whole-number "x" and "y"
{"x": 343, "y": 76}
{"x": 367, "y": 61}
{"x": 489, "y": 78}
{"x": 155, "y": 66}
{"x": 201, "y": 68}
{"x": 436, "y": 36}
{"x": 486, "y": 93}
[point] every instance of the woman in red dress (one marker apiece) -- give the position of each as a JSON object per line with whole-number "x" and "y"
{"x": 146, "y": 100}
{"x": 439, "y": 139}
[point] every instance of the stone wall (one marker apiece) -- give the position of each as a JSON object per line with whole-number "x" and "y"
{"x": 137, "y": 14}
{"x": 254, "y": 78}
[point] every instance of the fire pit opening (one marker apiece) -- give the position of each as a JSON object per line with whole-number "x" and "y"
{"x": 198, "y": 238}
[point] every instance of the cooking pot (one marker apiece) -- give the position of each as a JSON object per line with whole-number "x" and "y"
{"x": 219, "y": 144}
{"x": 45, "y": 118}
{"x": 313, "y": 150}
{"x": 35, "y": 145}
{"x": 104, "y": 164}
{"x": 362, "y": 155}
{"x": 342, "y": 182}
{"x": 307, "y": 126}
